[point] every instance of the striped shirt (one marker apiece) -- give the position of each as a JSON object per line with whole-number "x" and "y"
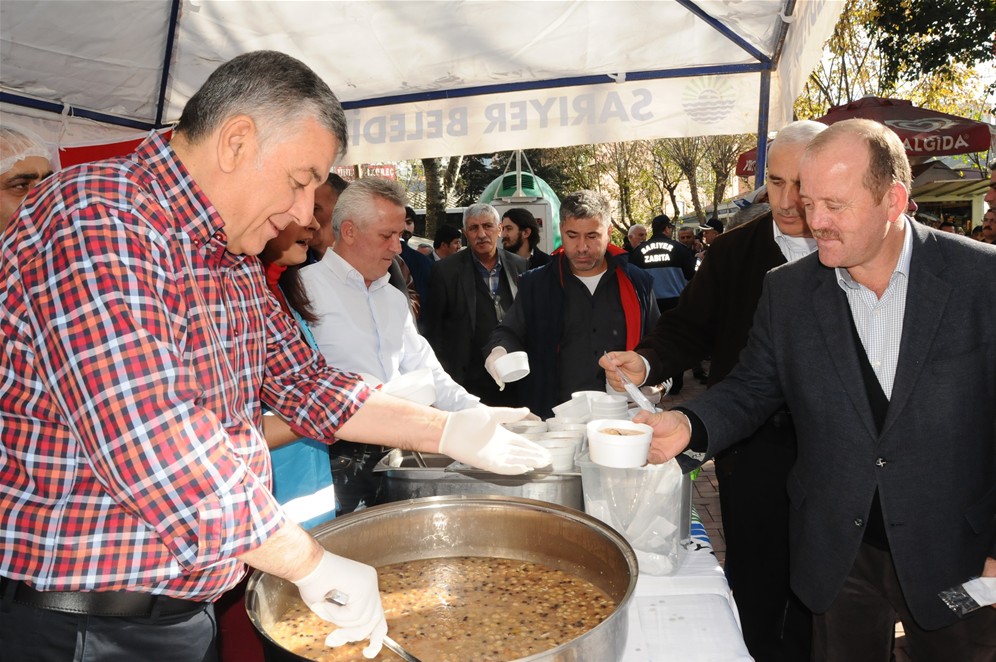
{"x": 137, "y": 352}
{"x": 879, "y": 321}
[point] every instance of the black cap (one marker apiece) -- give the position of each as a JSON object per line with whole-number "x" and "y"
{"x": 660, "y": 223}
{"x": 713, "y": 224}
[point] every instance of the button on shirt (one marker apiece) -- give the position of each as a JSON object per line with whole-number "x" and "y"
{"x": 879, "y": 321}
{"x": 370, "y": 330}
{"x": 136, "y": 353}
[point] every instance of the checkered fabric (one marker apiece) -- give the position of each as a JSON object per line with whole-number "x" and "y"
{"x": 136, "y": 354}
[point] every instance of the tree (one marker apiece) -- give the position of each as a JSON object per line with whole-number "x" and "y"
{"x": 854, "y": 66}
{"x": 687, "y": 155}
{"x": 439, "y": 187}
{"x": 920, "y": 38}
{"x": 721, "y": 153}
{"x": 665, "y": 176}
{"x": 625, "y": 161}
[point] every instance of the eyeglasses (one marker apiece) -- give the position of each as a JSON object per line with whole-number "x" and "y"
{"x": 499, "y": 313}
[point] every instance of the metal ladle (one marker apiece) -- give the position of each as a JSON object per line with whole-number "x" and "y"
{"x": 337, "y": 597}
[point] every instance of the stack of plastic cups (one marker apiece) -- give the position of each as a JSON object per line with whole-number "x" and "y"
{"x": 604, "y": 405}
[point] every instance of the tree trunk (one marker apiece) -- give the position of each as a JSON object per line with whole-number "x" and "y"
{"x": 435, "y": 200}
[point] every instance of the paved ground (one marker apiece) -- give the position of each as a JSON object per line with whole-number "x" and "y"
{"x": 705, "y": 497}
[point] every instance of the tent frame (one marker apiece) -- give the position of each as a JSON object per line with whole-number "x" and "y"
{"x": 764, "y": 65}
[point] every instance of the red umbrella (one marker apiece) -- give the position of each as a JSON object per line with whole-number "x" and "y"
{"x": 924, "y": 132}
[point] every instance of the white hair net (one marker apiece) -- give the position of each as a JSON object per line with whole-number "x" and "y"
{"x": 17, "y": 144}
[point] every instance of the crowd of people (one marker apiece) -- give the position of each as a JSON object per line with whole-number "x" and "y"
{"x": 195, "y": 336}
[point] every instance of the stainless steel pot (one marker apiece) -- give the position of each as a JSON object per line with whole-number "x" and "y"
{"x": 460, "y": 525}
{"x": 405, "y": 479}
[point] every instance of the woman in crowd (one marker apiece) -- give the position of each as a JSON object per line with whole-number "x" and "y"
{"x": 302, "y": 473}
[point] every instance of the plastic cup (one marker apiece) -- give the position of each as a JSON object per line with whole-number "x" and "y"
{"x": 561, "y": 453}
{"x": 512, "y": 367}
{"x": 618, "y": 443}
{"x": 526, "y": 427}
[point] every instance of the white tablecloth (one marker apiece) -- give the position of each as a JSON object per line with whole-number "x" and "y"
{"x": 689, "y": 616}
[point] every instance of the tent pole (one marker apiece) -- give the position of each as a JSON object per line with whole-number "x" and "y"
{"x": 762, "y": 128}
{"x": 174, "y": 14}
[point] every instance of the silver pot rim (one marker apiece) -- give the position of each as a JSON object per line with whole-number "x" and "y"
{"x": 460, "y": 500}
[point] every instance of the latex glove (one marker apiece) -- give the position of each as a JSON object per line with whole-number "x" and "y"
{"x": 474, "y": 436}
{"x": 362, "y": 617}
{"x": 489, "y": 365}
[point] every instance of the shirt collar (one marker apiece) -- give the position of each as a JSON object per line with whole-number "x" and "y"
{"x": 348, "y": 273}
{"x": 480, "y": 265}
{"x": 902, "y": 264}
{"x": 194, "y": 213}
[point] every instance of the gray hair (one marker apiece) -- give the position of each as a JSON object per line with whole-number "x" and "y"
{"x": 586, "y": 204}
{"x": 797, "y": 133}
{"x": 356, "y": 202}
{"x": 480, "y": 209}
{"x": 273, "y": 88}
{"x": 629, "y": 233}
{"x": 18, "y": 144}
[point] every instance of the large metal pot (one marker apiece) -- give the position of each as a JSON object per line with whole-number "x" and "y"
{"x": 404, "y": 478}
{"x": 460, "y": 525}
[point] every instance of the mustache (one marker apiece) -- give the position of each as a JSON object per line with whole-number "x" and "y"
{"x": 825, "y": 234}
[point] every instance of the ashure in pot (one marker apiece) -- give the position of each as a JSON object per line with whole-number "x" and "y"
{"x": 478, "y": 526}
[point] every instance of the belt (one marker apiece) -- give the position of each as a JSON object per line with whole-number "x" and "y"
{"x": 98, "y": 603}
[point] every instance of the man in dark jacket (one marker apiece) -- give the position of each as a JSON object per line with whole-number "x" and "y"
{"x": 469, "y": 293}
{"x": 520, "y": 234}
{"x": 586, "y": 301}
{"x": 671, "y": 265}
{"x": 713, "y": 318}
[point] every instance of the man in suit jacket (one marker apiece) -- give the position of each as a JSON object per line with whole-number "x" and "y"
{"x": 469, "y": 293}
{"x": 893, "y": 493}
{"x": 713, "y": 318}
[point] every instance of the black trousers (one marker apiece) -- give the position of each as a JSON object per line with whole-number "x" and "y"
{"x": 31, "y": 634}
{"x": 861, "y": 622}
{"x": 754, "y": 504}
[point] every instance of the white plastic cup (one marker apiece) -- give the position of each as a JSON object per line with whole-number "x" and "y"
{"x": 513, "y": 366}
{"x": 561, "y": 453}
{"x": 526, "y": 427}
{"x": 622, "y": 451}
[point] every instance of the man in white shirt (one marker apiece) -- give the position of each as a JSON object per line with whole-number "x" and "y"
{"x": 364, "y": 324}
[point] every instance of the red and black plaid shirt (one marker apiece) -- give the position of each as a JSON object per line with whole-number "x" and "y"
{"x": 136, "y": 354}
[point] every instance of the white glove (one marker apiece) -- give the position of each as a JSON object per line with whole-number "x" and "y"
{"x": 474, "y": 436}
{"x": 489, "y": 365}
{"x": 362, "y": 616}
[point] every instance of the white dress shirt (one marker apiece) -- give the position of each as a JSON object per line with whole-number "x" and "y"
{"x": 370, "y": 330}
{"x": 880, "y": 321}
{"x": 793, "y": 248}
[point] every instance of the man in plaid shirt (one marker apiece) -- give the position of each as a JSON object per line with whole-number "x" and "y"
{"x": 139, "y": 344}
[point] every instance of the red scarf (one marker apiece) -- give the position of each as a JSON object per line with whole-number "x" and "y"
{"x": 273, "y": 273}
{"x": 627, "y": 294}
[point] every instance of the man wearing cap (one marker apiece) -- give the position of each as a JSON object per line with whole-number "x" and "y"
{"x": 712, "y": 229}
{"x": 713, "y": 318}
{"x": 671, "y": 265}
{"x": 24, "y": 161}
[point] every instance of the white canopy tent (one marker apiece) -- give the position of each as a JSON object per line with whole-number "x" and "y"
{"x": 424, "y": 78}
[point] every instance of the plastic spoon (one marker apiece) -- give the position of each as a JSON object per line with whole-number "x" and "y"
{"x": 634, "y": 391}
